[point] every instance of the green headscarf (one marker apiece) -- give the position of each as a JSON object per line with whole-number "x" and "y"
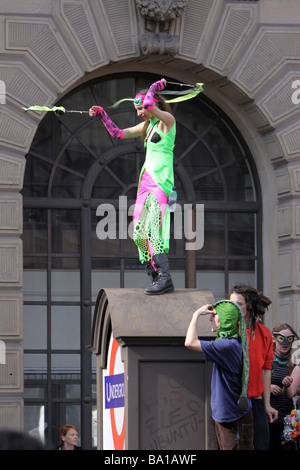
{"x": 232, "y": 324}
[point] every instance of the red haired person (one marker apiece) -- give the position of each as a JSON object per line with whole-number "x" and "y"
{"x": 68, "y": 436}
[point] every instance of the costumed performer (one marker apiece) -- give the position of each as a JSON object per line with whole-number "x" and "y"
{"x": 151, "y": 219}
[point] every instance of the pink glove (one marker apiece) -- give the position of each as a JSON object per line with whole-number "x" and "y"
{"x": 148, "y": 101}
{"x": 114, "y": 131}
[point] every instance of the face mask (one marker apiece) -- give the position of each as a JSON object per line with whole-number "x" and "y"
{"x": 284, "y": 339}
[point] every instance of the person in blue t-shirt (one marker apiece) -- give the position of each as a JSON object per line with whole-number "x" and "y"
{"x": 231, "y": 408}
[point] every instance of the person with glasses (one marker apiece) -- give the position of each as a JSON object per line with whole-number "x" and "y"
{"x": 283, "y": 337}
{"x": 254, "y": 304}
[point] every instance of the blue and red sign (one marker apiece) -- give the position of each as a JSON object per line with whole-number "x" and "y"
{"x": 114, "y": 391}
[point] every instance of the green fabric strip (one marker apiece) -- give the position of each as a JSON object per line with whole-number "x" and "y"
{"x": 56, "y": 109}
{"x": 183, "y": 95}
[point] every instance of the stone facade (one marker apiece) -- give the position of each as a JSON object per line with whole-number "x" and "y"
{"x": 246, "y": 53}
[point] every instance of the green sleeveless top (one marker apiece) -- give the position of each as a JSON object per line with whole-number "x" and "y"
{"x": 159, "y": 158}
{"x": 159, "y": 165}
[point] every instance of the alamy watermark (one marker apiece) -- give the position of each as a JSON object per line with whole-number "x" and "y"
{"x": 2, "y": 92}
{"x": 296, "y": 93}
{"x": 2, "y": 352}
{"x": 188, "y": 222}
{"x": 296, "y": 352}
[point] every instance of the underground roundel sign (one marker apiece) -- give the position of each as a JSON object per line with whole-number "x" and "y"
{"x": 113, "y": 399}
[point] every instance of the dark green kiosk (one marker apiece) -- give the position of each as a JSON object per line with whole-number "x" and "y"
{"x": 152, "y": 392}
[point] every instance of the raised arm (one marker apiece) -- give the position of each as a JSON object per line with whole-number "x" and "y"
{"x": 165, "y": 117}
{"x": 191, "y": 340}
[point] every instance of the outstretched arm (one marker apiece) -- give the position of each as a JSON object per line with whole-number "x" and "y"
{"x": 112, "y": 128}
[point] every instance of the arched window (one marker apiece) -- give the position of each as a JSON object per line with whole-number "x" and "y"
{"x": 79, "y": 190}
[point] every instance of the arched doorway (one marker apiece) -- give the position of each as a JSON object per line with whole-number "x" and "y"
{"x": 74, "y": 173}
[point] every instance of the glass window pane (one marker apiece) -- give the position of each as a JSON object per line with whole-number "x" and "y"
{"x": 238, "y": 183}
{"x": 33, "y": 389}
{"x": 102, "y": 279}
{"x": 65, "y": 327}
{"x": 211, "y": 275}
{"x": 35, "y": 262}
{"x": 35, "y": 284}
{"x": 210, "y": 187}
{"x": 35, "y": 421}
{"x": 65, "y": 366}
{"x": 136, "y": 278}
{"x": 214, "y": 235}
{"x": 66, "y": 184}
{"x": 35, "y": 231}
{"x": 36, "y": 176}
{"x": 35, "y": 370}
{"x": 73, "y": 390}
{"x": 62, "y": 386}
{"x": 76, "y": 159}
{"x": 65, "y": 231}
{"x": 241, "y": 236}
{"x": 65, "y": 285}
{"x": 109, "y": 247}
{"x": 44, "y": 146}
{"x": 35, "y": 327}
{"x": 243, "y": 270}
{"x": 242, "y": 265}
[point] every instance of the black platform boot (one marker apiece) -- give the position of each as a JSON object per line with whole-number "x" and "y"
{"x": 164, "y": 282}
{"x": 150, "y": 271}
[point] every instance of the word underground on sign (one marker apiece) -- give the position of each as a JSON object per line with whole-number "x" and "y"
{"x": 188, "y": 223}
{"x": 114, "y": 391}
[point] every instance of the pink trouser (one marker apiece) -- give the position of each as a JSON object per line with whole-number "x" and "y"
{"x": 152, "y": 222}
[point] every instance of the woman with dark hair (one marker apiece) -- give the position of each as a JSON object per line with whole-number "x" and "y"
{"x": 151, "y": 219}
{"x": 254, "y": 304}
{"x": 283, "y": 337}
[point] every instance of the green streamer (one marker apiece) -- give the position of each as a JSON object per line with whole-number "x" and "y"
{"x": 58, "y": 110}
{"x": 183, "y": 95}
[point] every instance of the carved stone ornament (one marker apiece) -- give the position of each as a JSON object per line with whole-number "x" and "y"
{"x": 161, "y": 10}
{"x": 158, "y": 18}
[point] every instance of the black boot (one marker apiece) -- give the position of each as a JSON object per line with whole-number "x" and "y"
{"x": 164, "y": 282}
{"x": 150, "y": 271}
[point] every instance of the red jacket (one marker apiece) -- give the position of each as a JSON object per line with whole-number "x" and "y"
{"x": 260, "y": 357}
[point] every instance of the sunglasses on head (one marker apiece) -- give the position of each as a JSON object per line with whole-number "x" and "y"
{"x": 284, "y": 339}
{"x": 139, "y": 99}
